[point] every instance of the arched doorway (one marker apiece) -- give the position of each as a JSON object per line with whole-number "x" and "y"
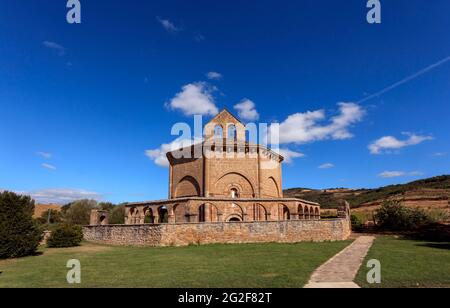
{"x": 163, "y": 215}
{"x": 202, "y": 213}
{"x": 301, "y": 214}
{"x": 149, "y": 216}
{"x": 259, "y": 213}
{"x": 286, "y": 214}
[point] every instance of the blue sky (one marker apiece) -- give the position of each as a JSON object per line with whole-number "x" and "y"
{"x": 82, "y": 103}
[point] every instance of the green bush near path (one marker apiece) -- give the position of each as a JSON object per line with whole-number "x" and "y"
{"x": 408, "y": 263}
{"x": 231, "y": 266}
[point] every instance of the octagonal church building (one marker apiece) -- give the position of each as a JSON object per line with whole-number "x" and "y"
{"x": 225, "y": 178}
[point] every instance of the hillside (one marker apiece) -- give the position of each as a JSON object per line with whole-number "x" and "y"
{"x": 41, "y": 208}
{"x": 432, "y": 192}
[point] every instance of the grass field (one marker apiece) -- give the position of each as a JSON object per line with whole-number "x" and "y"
{"x": 252, "y": 266}
{"x": 408, "y": 263}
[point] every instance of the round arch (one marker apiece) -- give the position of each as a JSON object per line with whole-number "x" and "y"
{"x": 231, "y": 179}
{"x": 187, "y": 187}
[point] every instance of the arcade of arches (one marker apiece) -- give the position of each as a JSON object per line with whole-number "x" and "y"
{"x": 198, "y": 210}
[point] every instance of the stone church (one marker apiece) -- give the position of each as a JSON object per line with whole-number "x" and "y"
{"x": 225, "y": 178}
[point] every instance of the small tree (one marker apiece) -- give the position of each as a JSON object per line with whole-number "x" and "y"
{"x": 357, "y": 224}
{"x": 79, "y": 212}
{"x": 19, "y": 234}
{"x": 106, "y": 206}
{"x": 65, "y": 236}
{"x": 117, "y": 215}
{"x": 395, "y": 217}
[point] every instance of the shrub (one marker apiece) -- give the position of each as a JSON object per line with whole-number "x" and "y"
{"x": 65, "y": 236}
{"x": 19, "y": 234}
{"x": 357, "y": 224}
{"x": 394, "y": 216}
{"x": 117, "y": 215}
{"x": 79, "y": 212}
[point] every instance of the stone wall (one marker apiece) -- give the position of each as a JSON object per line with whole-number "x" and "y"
{"x": 291, "y": 231}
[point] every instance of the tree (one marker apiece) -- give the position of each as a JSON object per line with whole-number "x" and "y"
{"x": 117, "y": 215}
{"x": 79, "y": 212}
{"x": 50, "y": 217}
{"x": 395, "y": 217}
{"x": 106, "y": 206}
{"x": 19, "y": 233}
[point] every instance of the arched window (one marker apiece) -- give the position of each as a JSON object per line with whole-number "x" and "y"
{"x": 232, "y": 134}
{"x": 234, "y": 193}
{"x": 218, "y": 131}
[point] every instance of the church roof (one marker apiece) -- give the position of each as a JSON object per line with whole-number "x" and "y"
{"x": 225, "y": 116}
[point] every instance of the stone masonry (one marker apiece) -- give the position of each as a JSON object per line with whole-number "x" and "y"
{"x": 291, "y": 231}
{"x": 222, "y": 190}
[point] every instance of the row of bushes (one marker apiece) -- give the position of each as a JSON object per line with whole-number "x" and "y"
{"x": 393, "y": 216}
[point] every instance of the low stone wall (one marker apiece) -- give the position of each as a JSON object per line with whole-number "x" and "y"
{"x": 291, "y": 231}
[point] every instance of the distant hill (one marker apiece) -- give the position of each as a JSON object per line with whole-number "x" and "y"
{"x": 41, "y": 208}
{"x": 432, "y": 192}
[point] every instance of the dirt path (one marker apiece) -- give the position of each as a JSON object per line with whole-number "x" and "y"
{"x": 340, "y": 270}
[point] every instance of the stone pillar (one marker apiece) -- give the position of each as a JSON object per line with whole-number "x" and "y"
{"x": 99, "y": 217}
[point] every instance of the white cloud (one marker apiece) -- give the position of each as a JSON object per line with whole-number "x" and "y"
{"x": 247, "y": 111}
{"x": 195, "y": 98}
{"x": 44, "y": 155}
{"x": 387, "y": 143}
{"x": 214, "y": 76}
{"x": 416, "y": 173}
{"x": 168, "y": 25}
{"x": 391, "y": 174}
{"x": 52, "y": 45}
{"x": 396, "y": 174}
{"x": 62, "y": 196}
{"x": 326, "y": 166}
{"x": 158, "y": 156}
{"x": 48, "y": 166}
{"x": 439, "y": 154}
{"x": 305, "y": 127}
{"x": 289, "y": 155}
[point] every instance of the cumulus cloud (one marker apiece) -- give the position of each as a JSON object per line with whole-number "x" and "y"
{"x": 168, "y": 25}
{"x": 247, "y": 110}
{"x": 214, "y": 75}
{"x": 44, "y": 155}
{"x": 289, "y": 155}
{"x": 195, "y": 98}
{"x": 158, "y": 156}
{"x": 396, "y": 174}
{"x": 61, "y": 195}
{"x": 326, "y": 166}
{"x": 61, "y": 50}
{"x": 306, "y": 127}
{"x": 389, "y": 143}
{"x": 48, "y": 166}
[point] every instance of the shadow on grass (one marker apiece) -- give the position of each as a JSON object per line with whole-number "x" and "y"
{"x": 439, "y": 233}
{"x": 436, "y": 245}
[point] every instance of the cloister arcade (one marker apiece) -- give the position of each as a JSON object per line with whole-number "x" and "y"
{"x": 196, "y": 210}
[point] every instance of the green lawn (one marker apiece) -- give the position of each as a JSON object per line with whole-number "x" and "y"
{"x": 408, "y": 263}
{"x": 252, "y": 265}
